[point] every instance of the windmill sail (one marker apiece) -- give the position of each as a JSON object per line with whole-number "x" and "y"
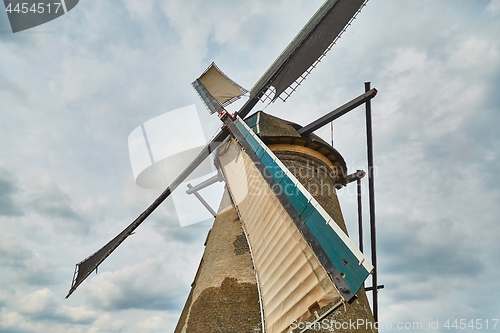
{"x": 216, "y": 89}
{"x": 21, "y": 20}
{"x": 302, "y": 257}
{"x": 308, "y": 47}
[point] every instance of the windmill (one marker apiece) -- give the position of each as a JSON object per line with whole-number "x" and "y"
{"x": 305, "y": 266}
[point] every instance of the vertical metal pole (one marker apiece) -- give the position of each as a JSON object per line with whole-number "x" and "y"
{"x": 360, "y": 215}
{"x": 371, "y": 193}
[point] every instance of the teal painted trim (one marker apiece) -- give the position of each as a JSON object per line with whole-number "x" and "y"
{"x": 298, "y": 200}
{"x": 253, "y": 143}
{"x": 252, "y": 122}
{"x": 241, "y": 127}
{"x": 268, "y": 161}
{"x": 343, "y": 259}
{"x": 307, "y": 212}
{"x": 249, "y": 137}
{"x": 273, "y": 168}
{"x": 288, "y": 187}
{"x": 260, "y": 152}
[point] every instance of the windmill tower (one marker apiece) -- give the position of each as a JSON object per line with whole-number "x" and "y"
{"x": 256, "y": 251}
{"x": 278, "y": 257}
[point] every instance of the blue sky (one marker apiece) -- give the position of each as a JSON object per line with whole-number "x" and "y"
{"x": 72, "y": 90}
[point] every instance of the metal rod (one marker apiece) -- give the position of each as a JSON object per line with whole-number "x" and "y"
{"x": 338, "y": 112}
{"x": 371, "y": 194}
{"x": 351, "y": 178}
{"x": 360, "y": 215}
{"x": 203, "y": 202}
{"x": 204, "y": 184}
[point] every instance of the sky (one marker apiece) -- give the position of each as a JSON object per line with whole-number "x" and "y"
{"x": 72, "y": 91}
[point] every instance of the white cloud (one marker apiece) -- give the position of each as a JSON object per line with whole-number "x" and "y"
{"x": 80, "y": 314}
{"x": 39, "y": 302}
{"x": 408, "y": 59}
{"x": 151, "y": 324}
{"x": 11, "y": 319}
{"x": 83, "y": 75}
{"x": 11, "y": 249}
{"x": 148, "y": 285}
{"x": 22, "y": 265}
{"x": 142, "y": 9}
{"x": 493, "y": 7}
{"x": 9, "y": 188}
{"x": 48, "y": 199}
{"x": 472, "y": 52}
{"x": 106, "y": 323}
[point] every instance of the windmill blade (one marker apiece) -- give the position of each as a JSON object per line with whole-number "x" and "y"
{"x": 216, "y": 89}
{"x": 299, "y": 57}
{"x": 88, "y": 265}
{"x": 308, "y": 47}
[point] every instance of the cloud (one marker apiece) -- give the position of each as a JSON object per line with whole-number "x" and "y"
{"x": 151, "y": 324}
{"x": 40, "y": 303}
{"x": 13, "y": 322}
{"x": 41, "y": 311}
{"x": 141, "y": 10}
{"x": 9, "y": 189}
{"x": 422, "y": 249}
{"x": 41, "y": 196}
{"x": 12, "y": 253}
{"x": 408, "y": 59}
{"x": 165, "y": 222}
{"x": 107, "y": 323}
{"x": 493, "y": 7}
{"x": 151, "y": 285}
{"x": 49, "y": 200}
{"x": 195, "y": 233}
{"x": 78, "y": 315}
{"x": 27, "y": 267}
